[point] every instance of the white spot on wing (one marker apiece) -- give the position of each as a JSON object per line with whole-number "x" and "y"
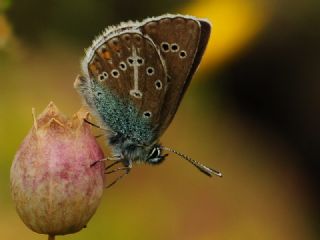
{"x": 115, "y": 73}
{"x": 103, "y": 76}
{"x": 123, "y": 66}
{"x": 147, "y": 114}
{"x": 158, "y": 84}
{"x": 150, "y": 71}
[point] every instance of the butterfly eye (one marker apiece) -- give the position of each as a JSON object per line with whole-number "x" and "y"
{"x": 154, "y": 153}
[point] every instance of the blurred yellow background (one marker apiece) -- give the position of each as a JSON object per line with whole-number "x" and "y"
{"x": 252, "y": 110}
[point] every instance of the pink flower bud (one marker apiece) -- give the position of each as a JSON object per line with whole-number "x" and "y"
{"x": 54, "y": 188}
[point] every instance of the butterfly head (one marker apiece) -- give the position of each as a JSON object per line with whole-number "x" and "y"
{"x": 133, "y": 150}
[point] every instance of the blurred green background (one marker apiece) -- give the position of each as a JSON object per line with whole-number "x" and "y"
{"x": 252, "y": 110}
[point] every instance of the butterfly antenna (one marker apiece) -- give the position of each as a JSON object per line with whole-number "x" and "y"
{"x": 206, "y": 170}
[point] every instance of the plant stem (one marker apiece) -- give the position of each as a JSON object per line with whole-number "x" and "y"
{"x": 51, "y": 237}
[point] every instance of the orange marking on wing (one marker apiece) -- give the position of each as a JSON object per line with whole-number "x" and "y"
{"x": 93, "y": 68}
{"x": 106, "y": 55}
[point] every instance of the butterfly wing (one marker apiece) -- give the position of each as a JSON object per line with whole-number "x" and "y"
{"x": 124, "y": 83}
{"x": 182, "y": 41}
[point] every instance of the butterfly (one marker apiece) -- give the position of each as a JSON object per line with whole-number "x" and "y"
{"x": 134, "y": 78}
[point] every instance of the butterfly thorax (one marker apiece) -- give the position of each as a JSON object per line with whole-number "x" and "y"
{"x": 131, "y": 150}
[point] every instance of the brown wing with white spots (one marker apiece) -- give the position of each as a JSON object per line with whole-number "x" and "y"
{"x": 131, "y": 67}
{"x": 182, "y": 41}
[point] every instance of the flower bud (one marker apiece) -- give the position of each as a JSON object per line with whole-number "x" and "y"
{"x": 55, "y": 189}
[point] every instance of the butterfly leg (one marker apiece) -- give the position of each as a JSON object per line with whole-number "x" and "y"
{"x": 112, "y": 164}
{"x": 127, "y": 167}
{"x": 99, "y": 127}
{"x": 116, "y": 158}
{"x": 94, "y": 125}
